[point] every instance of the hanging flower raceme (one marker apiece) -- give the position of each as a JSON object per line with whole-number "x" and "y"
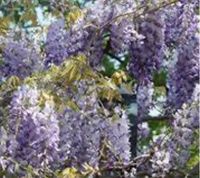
{"x": 122, "y": 35}
{"x": 3, "y": 148}
{"x": 147, "y": 57}
{"x": 184, "y": 75}
{"x": 99, "y": 12}
{"x": 33, "y": 130}
{"x": 96, "y": 51}
{"x": 181, "y": 23}
{"x": 56, "y": 48}
{"x": 19, "y": 60}
{"x": 173, "y": 152}
{"x": 144, "y": 99}
{"x": 87, "y": 136}
{"x": 87, "y": 130}
{"x": 86, "y": 35}
{"x": 62, "y": 42}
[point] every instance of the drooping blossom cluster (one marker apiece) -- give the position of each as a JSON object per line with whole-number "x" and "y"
{"x": 62, "y": 43}
{"x": 19, "y": 60}
{"x": 170, "y": 151}
{"x": 3, "y": 148}
{"x": 143, "y": 130}
{"x": 85, "y": 133}
{"x": 144, "y": 99}
{"x": 122, "y": 35}
{"x": 83, "y": 130}
{"x": 86, "y": 38}
{"x": 33, "y": 131}
{"x": 181, "y": 23}
{"x": 40, "y": 137}
{"x": 147, "y": 57}
{"x": 173, "y": 151}
{"x": 185, "y": 74}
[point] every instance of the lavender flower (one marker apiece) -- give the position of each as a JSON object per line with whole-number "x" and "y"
{"x": 79, "y": 142}
{"x": 185, "y": 74}
{"x": 143, "y": 130}
{"x": 19, "y": 60}
{"x": 62, "y": 43}
{"x": 34, "y": 130}
{"x": 96, "y": 51}
{"x": 55, "y": 47}
{"x": 147, "y": 57}
{"x": 99, "y": 12}
{"x": 173, "y": 151}
{"x": 83, "y": 131}
{"x": 118, "y": 135}
{"x": 181, "y": 23}
{"x": 122, "y": 35}
{"x": 144, "y": 99}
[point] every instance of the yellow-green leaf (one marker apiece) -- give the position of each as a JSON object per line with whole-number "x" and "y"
{"x": 70, "y": 173}
{"x": 4, "y": 25}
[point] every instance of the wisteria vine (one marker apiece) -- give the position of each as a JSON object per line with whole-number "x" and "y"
{"x": 63, "y": 116}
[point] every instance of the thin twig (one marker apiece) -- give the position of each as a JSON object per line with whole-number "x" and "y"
{"x": 115, "y": 57}
{"x": 138, "y": 15}
{"x": 156, "y": 118}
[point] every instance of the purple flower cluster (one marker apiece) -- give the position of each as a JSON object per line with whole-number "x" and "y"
{"x": 185, "y": 74}
{"x": 3, "y": 148}
{"x": 147, "y": 57}
{"x": 84, "y": 133}
{"x": 86, "y": 35}
{"x": 122, "y": 35}
{"x": 81, "y": 129}
{"x": 61, "y": 43}
{"x": 79, "y": 139}
{"x": 118, "y": 135}
{"x": 143, "y": 130}
{"x": 99, "y": 12}
{"x": 144, "y": 99}
{"x": 96, "y": 51}
{"x": 33, "y": 130}
{"x": 19, "y": 60}
{"x": 180, "y": 21}
{"x": 56, "y": 48}
{"x": 38, "y": 136}
{"x": 173, "y": 151}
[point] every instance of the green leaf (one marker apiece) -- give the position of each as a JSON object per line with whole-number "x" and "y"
{"x": 109, "y": 66}
{"x": 160, "y": 78}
